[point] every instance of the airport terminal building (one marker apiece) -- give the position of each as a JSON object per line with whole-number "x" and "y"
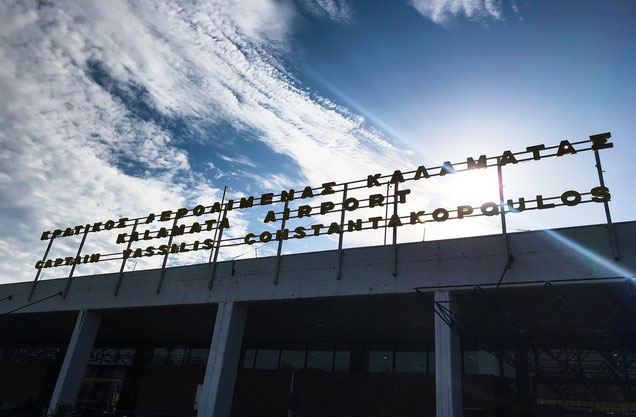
{"x": 537, "y": 323}
{"x": 415, "y": 329}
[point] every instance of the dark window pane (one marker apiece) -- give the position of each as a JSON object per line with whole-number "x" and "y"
{"x": 320, "y": 359}
{"x": 109, "y": 357}
{"x": 125, "y": 357}
{"x": 480, "y": 362}
{"x": 199, "y": 356}
{"x": 509, "y": 370}
{"x": 160, "y": 356}
{"x": 96, "y": 356}
{"x": 178, "y": 356}
{"x": 410, "y": 362}
{"x": 292, "y": 359}
{"x": 342, "y": 361}
{"x": 248, "y": 358}
{"x": 380, "y": 361}
{"x": 267, "y": 359}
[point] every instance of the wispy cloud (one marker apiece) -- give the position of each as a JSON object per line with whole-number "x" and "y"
{"x": 440, "y": 11}
{"x": 93, "y": 90}
{"x": 240, "y": 159}
{"x": 335, "y": 10}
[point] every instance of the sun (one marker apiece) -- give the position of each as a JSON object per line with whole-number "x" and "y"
{"x": 473, "y": 187}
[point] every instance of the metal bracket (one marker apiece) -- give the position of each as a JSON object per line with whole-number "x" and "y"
{"x": 395, "y": 213}
{"x": 37, "y": 274}
{"x": 123, "y": 262}
{"x": 70, "y": 275}
{"x": 341, "y": 237}
{"x": 215, "y": 251}
{"x": 280, "y": 245}
{"x": 165, "y": 258}
{"x": 608, "y": 215}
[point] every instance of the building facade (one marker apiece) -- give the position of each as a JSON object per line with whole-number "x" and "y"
{"x": 444, "y": 328}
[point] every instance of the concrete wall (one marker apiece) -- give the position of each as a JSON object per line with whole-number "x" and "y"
{"x": 568, "y": 253}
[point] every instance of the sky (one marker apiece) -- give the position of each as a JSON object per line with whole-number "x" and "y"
{"x": 120, "y": 109}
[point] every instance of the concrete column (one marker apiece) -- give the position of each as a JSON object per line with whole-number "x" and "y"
{"x": 225, "y": 352}
{"x": 448, "y": 362}
{"x": 77, "y": 356}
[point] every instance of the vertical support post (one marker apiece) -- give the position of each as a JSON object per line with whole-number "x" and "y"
{"x": 218, "y": 221}
{"x": 386, "y": 210}
{"x": 123, "y": 262}
{"x": 341, "y": 237}
{"x": 291, "y": 390}
{"x": 395, "y": 213}
{"x": 448, "y": 363}
{"x": 70, "y": 275}
{"x": 223, "y": 361}
{"x": 37, "y": 274}
{"x": 608, "y": 216}
{"x": 502, "y": 209}
{"x": 280, "y": 243}
{"x": 217, "y": 242}
{"x": 216, "y": 249}
{"x": 76, "y": 359}
{"x": 165, "y": 257}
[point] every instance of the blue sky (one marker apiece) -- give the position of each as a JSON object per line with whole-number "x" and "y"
{"x": 126, "y": 108}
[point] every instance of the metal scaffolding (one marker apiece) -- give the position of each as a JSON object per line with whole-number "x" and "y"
{"x": 573, "y": 342}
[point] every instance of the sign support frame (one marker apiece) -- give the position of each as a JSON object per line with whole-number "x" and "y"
{"x": 215, "y": 250}
{"x": 341, "y": 237}
{"x": 37, "y": 274}
{"x": 395, "y": 213}
{"x": 608, "y": 215}
{"x": 165, "y": 258}
{"x": 123, "y": 262}
{"x": 70, "y": 275}
{"x": 217, "y": 246}
{"x": 502, "y": 210}
{"x": 280, "y": 243}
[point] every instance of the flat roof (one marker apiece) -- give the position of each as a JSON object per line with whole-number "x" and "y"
{"x": 576, "y": 254}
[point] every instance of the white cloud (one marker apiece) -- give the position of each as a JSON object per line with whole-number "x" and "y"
{"x": 440, "y": 11}
{"x": 240, "y": 159}
{"x": 67, "y": 143}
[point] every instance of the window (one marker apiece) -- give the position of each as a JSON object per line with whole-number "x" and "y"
{"x": 108, "y": 357}
{"x": 249, "y": 358}
{"x": 509, "y": 370}
{"x": 292, "y": 359}
{"x": 266, "y": 359}
{"x": 341, "y": 362}
{"x": 160, "y": 356}
{"x": 178, "y": 356}
{"x": 320, "y": 359}
{"x": 480, "y": 362}
{"x": 414, "y": 362}
{"x": 111, "y": 357}
{"x": 380, "y": 361}
{"x": 320, "y": 356}
{"x": 199, "y": 356}
{"x": 125, "y": 357}
{"x": 293, "y": 356}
